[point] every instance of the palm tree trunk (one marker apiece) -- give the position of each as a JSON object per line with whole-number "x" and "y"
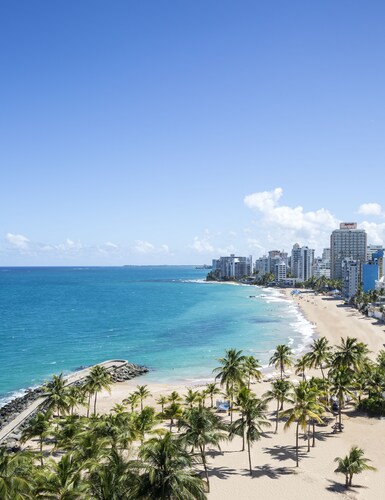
{"x": 313, "y": 433}
{"x": 308, "y": 437}
{"x": 96, "y": 395}
{"x": 296, "y": 444}
{"x": 323, "y": 375}
{"x": 89, "y": 404}
{"x": 41, "y": 451}
{"x": 340, "y": 418}
{"x": 203, "y": 456}
{"x": 249, "y": 453}
{"x": 276, "y": 420}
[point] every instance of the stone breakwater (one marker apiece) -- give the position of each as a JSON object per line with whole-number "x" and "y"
{"x": 10, "y": 410}
{"x": 127, "y": 372}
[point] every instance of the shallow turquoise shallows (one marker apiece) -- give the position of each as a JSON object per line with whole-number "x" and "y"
{"x": 56, "y": 320}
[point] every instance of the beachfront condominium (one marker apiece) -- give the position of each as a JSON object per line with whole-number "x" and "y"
{"x": 347, "y": 242}
{"x": 302, "y": 259}
{"x": 350, "y": 275}
{"x": 233, "y": 266}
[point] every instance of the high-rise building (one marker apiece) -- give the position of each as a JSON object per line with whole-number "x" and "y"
{"x": 233, "y": 266}
{"x": 302, "y": 259}
{"x": 347, "y": 242}
{"x": 350, "y": 274}
{"x": 295, "y": 259}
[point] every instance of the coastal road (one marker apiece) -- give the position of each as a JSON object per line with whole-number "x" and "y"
{"x": 12, "y": 426}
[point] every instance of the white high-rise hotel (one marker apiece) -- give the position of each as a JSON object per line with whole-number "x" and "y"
{"x": 347, "y": 242}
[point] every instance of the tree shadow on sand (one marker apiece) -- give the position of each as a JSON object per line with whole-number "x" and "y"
{"x": 272, "y": 472}
{"x": 336, "y": 487}
{"x": 222, "y": 472}
{"x": 282, "y": 453}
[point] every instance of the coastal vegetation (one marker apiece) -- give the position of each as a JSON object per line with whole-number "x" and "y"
{"x": 159, "y": 452}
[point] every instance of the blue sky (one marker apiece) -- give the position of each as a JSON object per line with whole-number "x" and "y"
{"x": 161, "y": 132}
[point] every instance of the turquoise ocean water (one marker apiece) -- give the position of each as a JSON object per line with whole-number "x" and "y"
{"x": 56, "y": 320}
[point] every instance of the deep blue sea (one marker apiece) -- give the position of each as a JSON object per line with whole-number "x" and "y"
{"x": 56, "y": 320}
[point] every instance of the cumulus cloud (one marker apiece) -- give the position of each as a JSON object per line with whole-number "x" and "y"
{"x": 267, "y": 202}
{"x": 202, "y": 245}
{"x": 284, "y": 224}
{"x": 370, "y": 209}
{"x": 109, "y": 244}
{"x": 17, "y": 240}
{"x": 376, "y": 232}
{"x": 164, "y": 248}
{"x": 145, "y": 247}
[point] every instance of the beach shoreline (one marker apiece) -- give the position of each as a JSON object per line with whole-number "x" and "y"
{"x": 273, "y": 456}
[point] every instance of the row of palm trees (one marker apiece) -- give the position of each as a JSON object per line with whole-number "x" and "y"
{"x": 62, "y": 398}
{"x": 128, "y": 453}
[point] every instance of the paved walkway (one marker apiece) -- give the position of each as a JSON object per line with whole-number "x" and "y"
{"x": 71, "y": 379}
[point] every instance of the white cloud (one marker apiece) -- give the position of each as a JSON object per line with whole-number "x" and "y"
{"x": 202, "y": 245}
{"x": 370, "y": 209}
{"x": 144, "y": 246}
{"x": 254, "y": 243}
{"x": 376, "y": 232}
{"x": 109, "y": 244}
{"x": 17, "y": 240}
{"x": 283, "y": 225}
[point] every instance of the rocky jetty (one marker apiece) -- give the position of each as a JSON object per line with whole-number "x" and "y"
{"x": 8, "y": 412}
{"x": 127, "y": 372}
{"x": 17, "y": 405}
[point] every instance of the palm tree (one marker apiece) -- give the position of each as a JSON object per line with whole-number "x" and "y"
{"x": 251, "y": 367}
{"x": 300, "y": 366}
{"x": 38, "y": 426}
{"x": 144, "y": 422}
{"x": 56, "y": 394}
{"x": 132, "y": 400}
{"x": 211, "y": 390}
{"x": 238, "y": 427}
{"x": 282, "y": 358}
{"x": 67, "y": 431}
{"x": 202, "y": 428}
{"x": 162, "y": 400}
{"x": 98, "y": 379}
{"x": 168, "y": 471}
{"x": 15, "y": 480}
{"x": 280, "y": 392}
{"x": 191, "y": 397}
{"x": 230, "y": 373}
{"x": 89, "y": 448}
{"x": 143, "y": 393}
{"x": 350, "y": 354}
{"x": 354, "y": 463}
{"x": 61, "y": 480}
{"x": 254, "y": 415}
{"x": 319, "y": 354}
{"x": 341, "y": 385}
{"x": 306, "y": 408}
{"x": 75, "y": 397}
{"x": 173, "y": 411}
{"x": 114, "y": 479}
{"x": 174, "y": 397}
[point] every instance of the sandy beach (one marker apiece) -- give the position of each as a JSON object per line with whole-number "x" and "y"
{"x": 275, "y": 474}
